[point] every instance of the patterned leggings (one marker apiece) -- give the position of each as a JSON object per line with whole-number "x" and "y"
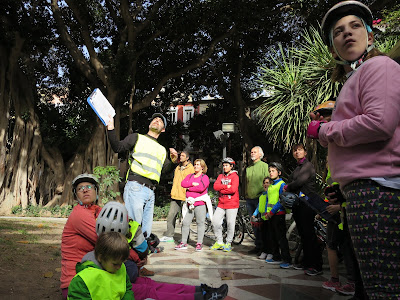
{"x": 373, "y": 214}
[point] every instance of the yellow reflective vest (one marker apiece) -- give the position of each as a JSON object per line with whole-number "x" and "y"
{"x": 273, "y": 194}
{"x": 102, "y": 284}
{"x": 147, "y": 158}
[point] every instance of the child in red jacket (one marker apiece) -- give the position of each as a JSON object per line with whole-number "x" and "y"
{"x": 227, "y": 184}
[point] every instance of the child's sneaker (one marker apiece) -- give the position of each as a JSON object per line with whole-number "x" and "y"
{"x": 227, "y": 247}
{"x": 273, "y": 262}
{"x": 217, "y": 246}
{"x": 286, "y": 265}
{"x": 167, "y": 239}
{"x": 348, "y": 289}
{"x": 211, "y": 293}
{"x": 269, "y": 256}
{"x": 263, "y": 255}
{"x": 313, "y": 272}
{"x": 199, "y": 247}
{"x": 181, "y": 246}
{"x": 331, "y": 285}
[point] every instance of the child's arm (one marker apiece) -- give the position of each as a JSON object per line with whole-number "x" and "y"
{"x": 129, "y": 293}
{"x": 234, "y": 186}
{"x": 78, "y": 290}
{"x": 218, "y": 186}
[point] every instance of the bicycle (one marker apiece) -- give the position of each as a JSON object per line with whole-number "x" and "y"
{"x": 239, "y": 232}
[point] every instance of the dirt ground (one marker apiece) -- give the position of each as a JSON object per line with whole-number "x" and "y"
{"x": 30, "y": 258}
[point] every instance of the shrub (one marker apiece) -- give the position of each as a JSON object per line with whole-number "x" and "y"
{"x": 108, "y": 176}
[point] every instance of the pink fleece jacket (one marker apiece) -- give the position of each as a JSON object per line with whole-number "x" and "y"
{"x": 198, "y": 190}
{"x": 363, "y": 138}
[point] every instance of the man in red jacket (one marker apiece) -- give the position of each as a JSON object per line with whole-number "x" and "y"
{"x": 227, "y": 184}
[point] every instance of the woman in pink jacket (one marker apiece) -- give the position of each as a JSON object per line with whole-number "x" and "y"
{"x": 363, "y": 140}
{"x": 196, "y": 196}
{"x": 227, "y": 184}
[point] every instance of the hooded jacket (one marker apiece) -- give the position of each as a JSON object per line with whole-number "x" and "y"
{"x": 228, "y": 197}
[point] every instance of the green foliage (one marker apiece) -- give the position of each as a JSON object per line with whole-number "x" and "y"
{"x": 108, "y": 177}
{"x": 40, "y": 211}
{"x": 160, "y": 212}
{"x": 392, "y": 18}
{"x": 296, "y": 80}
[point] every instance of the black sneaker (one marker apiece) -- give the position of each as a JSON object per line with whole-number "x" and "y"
{"x": 211, "y": 293}
{"x": 313, "y": 272}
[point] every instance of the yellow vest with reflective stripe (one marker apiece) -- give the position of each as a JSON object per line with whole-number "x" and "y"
{"x": 262, "y": 201}
{"x": 102, "y": 284}
{"x": 147, "y": 158}
{"x": 273, "y": 195}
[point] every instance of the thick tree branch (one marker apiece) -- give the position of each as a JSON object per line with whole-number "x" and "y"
{"x": 76, "y": 54}
{"x": 85, "y": 32}
{"x": 146, "y": 101}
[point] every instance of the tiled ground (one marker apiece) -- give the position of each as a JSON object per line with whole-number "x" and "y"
{"x": 247, "y": 277}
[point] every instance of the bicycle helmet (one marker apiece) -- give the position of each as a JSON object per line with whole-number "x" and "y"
{"x": 325, "y": 108}
{"x": 338, "y": 11}
{"x": 276, "y": 165}
{"x": 113, "y": 217}
{"x": 228, "y": 160}
{"x": 288, "y": 200}
{"x": 85, "y": 177}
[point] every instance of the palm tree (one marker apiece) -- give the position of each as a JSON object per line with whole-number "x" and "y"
{"x": 297, "y": 80}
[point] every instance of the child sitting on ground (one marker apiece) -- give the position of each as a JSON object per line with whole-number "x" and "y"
{"x": 101, "y": 274}
{"x": 276, "y": 218}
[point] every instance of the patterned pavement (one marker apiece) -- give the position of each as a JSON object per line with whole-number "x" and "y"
{"x": 247, "y": 276}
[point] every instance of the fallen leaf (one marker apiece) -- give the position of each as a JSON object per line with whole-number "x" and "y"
{"x": 48, "y": 274}
{"x": 226, "y": 278}
{"x": 23, "y": 242}
{"x": 40, "y": 226}
{"x": 58, "y": 269}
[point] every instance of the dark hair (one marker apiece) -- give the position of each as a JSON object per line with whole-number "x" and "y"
{"x": 269, "y": 178}
{"x": 111, "y": 245}
{"x": 339, "y": 74}
{"x": 299, "y": 145}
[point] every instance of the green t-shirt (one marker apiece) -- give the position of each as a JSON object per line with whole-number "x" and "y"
{"x": 255, "y": 175}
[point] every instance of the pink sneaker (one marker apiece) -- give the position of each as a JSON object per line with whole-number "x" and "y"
{"x": 348, "y": 289}
{"x": 181, "y": 246}
{"x": 330, "y": 285}
{"x": 199, "y": 247}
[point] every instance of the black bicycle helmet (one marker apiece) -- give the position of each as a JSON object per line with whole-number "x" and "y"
{"x": 276, "y": 165}
{"x": 85, "y": 177}
{"x": 341, "y": 10}
{"x": 113, "y": 217}
{"x": 288, "y": 200}
{"x": 228, "y": 160}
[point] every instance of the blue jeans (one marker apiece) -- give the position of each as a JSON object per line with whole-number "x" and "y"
{"x": 139, "y": 201}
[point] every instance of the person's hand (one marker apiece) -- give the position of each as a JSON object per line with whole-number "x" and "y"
{"x": 285, "y": 187}
{"x": 316, "y": 116}
{"x": 313, "y": 129}
{"x": 173, "y": 154}
{"x": 333, "y": 209}
{"x": 195, "y": 184}
{"x": 110, "y": 125}
{"x": 332, "y": 197}
{"x": 228, "y": 186}
{"x": 142, "y": 262}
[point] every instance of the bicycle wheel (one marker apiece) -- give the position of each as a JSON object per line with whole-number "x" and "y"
{"x": 239, "y": 231}
{"x": 242, "y": 212}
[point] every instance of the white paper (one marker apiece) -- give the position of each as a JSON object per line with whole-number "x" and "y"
{"x": 101, "y": 106}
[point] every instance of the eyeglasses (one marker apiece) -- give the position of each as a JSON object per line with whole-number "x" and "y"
{"x": 85, "y": 187}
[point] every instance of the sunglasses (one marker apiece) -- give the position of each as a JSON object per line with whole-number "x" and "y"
{"x": 85, "y": 187}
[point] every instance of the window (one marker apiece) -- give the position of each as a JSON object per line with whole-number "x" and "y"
{"x": 173, "y": 112}
{"x": 188, "y": 113}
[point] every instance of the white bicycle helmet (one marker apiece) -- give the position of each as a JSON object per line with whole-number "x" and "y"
{"x": 85, "y": 177}
{"x": 113, "y": 217}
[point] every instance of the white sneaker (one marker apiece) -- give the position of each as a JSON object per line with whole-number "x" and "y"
{"x": 263, "y": 255}
{"x": 167, "y": 239}
{"x": 269, "y": 256}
